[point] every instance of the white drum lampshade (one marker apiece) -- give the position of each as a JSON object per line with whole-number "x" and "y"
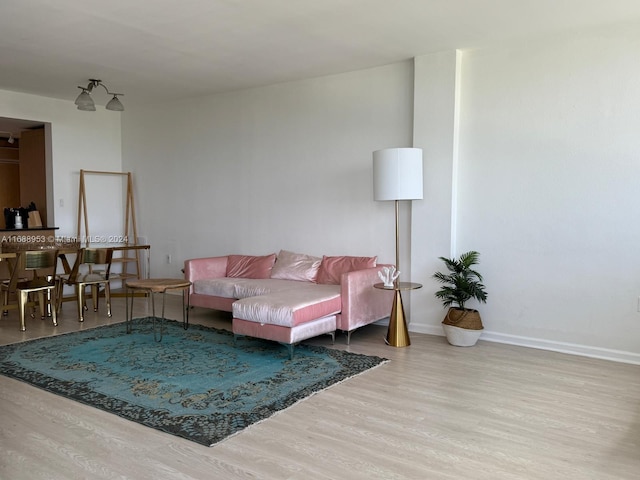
{"x": 397, "y": 174}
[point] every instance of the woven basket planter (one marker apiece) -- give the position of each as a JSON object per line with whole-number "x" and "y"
{"x": 462, "y": 327}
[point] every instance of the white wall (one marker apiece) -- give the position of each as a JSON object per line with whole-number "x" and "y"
{"x": 436, "y": 118}
{"x": 79, "y": 140}
{"x": 548, "y": 191}
{"x": 282, "y": 167}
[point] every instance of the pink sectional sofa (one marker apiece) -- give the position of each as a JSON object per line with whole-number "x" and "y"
{"x": 290, "y": 297}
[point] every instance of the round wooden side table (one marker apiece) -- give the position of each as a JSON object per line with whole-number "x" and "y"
{"x": 152, "y": 286}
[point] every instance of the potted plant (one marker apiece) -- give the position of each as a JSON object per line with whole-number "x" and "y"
{"x": 462, "y": 326}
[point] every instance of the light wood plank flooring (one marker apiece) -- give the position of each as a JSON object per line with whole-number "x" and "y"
{"x": 434, "y": 412}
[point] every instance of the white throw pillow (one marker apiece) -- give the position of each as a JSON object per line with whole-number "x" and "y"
{"x": 296, "y": 266}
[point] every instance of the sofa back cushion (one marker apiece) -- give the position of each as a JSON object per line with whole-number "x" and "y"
{"x": 332, "y": 268}
{"x": 249, "y": 266}
{"x": 296, "y": 266}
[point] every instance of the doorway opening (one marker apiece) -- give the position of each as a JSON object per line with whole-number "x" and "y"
{"x": 26, "y": 172}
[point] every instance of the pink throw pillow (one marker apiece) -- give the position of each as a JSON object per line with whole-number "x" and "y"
{"x": 248, "y": 266}
{"x": 296, "y": 266}
{"x": 332, "y": 268}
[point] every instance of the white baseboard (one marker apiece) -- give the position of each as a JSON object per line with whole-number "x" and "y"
{"x": 428, "y": 329}
{"x": 561, "y": 347}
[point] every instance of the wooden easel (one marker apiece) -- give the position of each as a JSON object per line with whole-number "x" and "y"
{"x": 128, "y": 243}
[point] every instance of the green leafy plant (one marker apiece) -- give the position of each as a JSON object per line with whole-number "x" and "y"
{"x": 462, "y": 282}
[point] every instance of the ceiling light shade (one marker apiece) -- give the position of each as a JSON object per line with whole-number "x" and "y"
{"x": 115, "y": 105}
{"x": 87, "y": 108}
{"x": 84, "y": 99}
{"x": 86, "y": 103}
{"x": 397, "y": 174}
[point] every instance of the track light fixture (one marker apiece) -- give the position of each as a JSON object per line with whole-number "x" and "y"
{"x": 85, "y": 102}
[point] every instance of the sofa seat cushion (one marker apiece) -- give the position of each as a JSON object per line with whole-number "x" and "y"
{"x": 289, "y": 308}
{"x": 254, "y": 287}
{"x": 218, "y": 287}
{"x": 230, "y": 287}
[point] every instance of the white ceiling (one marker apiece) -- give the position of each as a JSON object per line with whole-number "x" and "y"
{"x": 154, "y": 50}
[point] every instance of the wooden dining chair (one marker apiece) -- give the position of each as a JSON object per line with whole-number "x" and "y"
{"x": 92, "y": 268}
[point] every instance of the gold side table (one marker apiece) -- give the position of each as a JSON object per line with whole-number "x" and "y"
{"x": 398, "y": 334}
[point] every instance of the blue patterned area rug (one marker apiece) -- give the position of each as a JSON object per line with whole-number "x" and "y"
{"x": 197, "y": 384}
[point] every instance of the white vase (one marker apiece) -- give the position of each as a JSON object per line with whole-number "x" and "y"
{"x": 461, "y": 337}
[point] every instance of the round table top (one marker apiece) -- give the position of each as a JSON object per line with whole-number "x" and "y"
{"x": 157, "y": 284}
{"x": 398, "y": 286}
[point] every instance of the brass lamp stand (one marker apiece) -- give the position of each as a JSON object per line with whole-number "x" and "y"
{"x": 398, "y": 333}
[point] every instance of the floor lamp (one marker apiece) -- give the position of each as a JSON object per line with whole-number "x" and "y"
{"x": 397, "y": 175}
